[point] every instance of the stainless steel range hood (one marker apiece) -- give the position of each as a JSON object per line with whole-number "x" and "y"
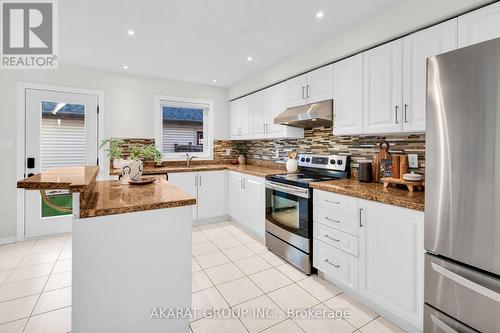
{"x": 307, "y": 116}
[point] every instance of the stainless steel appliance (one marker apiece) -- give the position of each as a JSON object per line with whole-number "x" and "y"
{"x": 289, "y": 206}
{"x": 462, "y": 201}
{"x": 307, "y": 116}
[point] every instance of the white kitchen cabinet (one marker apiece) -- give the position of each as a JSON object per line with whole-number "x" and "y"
{"x": 479, "y": 25}
{"x": 314, "y": 86}
{"x": 348, "y": 96}
{"x": 383, "y": 88}
{"x": 246, "y": 202}
{"x": 391, "y": 259}
{"x": 209, "y": 189}
{"x": 212, "y": 194}
{"x": 188, "y": 182}
{"x": 240, "y": 118}
{"x": 418, "y": 47}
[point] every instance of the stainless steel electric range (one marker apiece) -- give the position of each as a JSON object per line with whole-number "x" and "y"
{"x": 289, "y": 213}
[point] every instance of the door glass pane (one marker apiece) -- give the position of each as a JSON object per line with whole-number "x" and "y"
{"x": 62, "y": 144}
{"x": 285, "y": 210}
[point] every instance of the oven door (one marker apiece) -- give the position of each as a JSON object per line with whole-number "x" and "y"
{"x": 288, "y": 214}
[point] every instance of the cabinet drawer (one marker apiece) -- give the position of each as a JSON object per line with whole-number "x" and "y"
{"x": 337, "y": 265}
{"x": 341, "y": 203}
{"x": 338, "y": 239}
{"x": 336, "y": 220}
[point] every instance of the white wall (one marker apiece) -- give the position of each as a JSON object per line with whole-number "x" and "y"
{"x": 128, "y": 112}
{"x": 398, "y": 20}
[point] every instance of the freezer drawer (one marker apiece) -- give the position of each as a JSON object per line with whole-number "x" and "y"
{"x": 437, "y": 322}
{"x": 467, "y": 295}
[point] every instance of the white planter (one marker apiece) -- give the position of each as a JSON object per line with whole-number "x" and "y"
{"x": 118, "y": 163}
{"x": 291, "y": 165}
{"x": 242, "y": 159}
{"x": 132, "y": 170}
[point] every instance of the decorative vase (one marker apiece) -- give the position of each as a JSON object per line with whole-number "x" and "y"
{"x": 118, "y": 163}
{"x": 132, "y": 170}
{"x": 242, "y": 159}
{"x": 291, "y": 165}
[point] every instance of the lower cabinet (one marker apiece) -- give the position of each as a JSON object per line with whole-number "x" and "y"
{"x": 246, "y": 201}
{"x": 209, "y": 189}
{"x": 381, "y": 262}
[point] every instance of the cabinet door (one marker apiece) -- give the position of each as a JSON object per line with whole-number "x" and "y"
{"x": 296, "y": 91}
{"x": 240, "y": 118}
{"x": 348, "y": 96}
{"x": 319, "y": 84}
{"x": 417, "y": 48}
{"x": 187, "y": 181}
{"x": 235, "y": 196}
{"x": 391, "y": 259}
{"x": 479, "y": 25}
{"x": 382, "y": 89}
{"x": 261, "y": 105}
{"x": 212, "y": 194}
{"x": 254, "y": 219}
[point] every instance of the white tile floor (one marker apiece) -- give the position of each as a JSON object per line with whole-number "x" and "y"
{"x": 231, "y": 270}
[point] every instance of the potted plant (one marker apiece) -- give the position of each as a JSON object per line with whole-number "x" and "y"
{"x": 146, "y": 152}
{"x": 115, "y": 151}
{"x": 241, "y": 150}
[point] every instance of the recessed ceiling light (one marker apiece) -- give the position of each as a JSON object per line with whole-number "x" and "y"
{"x": 320, "y": 14}
{"x": 214, "y": 80}
{"x": 249, "y": 58}
{"x": 125, "y": 67}
{"x": 131, "y": 32}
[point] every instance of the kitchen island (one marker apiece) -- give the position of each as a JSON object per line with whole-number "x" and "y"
{"x": 131, "y": 251}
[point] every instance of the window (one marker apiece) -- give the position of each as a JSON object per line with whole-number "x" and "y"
{"x": 183, "y": 126}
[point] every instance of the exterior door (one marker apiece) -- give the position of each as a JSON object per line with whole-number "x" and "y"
{"x": 383, "y": 88}
{"x": 61, "y": 131}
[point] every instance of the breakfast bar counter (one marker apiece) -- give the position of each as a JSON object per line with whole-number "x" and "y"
{"x": 131, "y": 250}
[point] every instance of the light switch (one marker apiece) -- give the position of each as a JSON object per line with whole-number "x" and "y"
{"x": 6, "y": 143}
{"x": 413, "y": 161}
{"x": 228, "y": 152}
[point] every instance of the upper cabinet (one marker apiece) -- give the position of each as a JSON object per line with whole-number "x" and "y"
{"x": 383, "y": 88}
{"x": 479, "y": 25}
{"x": 417, "y": 48}
{"x": 348, "y": 96}
{"x": 252, "y": 117}
{"x": 311, "y": 87}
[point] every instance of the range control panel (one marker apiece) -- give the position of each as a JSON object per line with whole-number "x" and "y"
{"x": 330, "y": 162}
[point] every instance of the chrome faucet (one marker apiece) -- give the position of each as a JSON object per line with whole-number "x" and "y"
{"x": 188, "y": 159}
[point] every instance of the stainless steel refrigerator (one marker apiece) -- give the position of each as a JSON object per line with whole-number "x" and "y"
{"x": 462, "y": 200}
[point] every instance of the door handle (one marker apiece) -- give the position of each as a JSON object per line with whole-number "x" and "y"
{"x": 200, "y": 180}
{"x": 307, "y": 91}
{"x": 360, "y": 221}
{"x": 30, "y": 163}
{"x": 329, "y": 219}
{"x": 30, "y": 174}
{"x": 406, "y": 114}
{"x": 333, "y": 239}
{"x": 333, "y": 202}
{"x": 195, "y": 181}
{"x": 303, "y": 92}
{"x": 396, "y": 109}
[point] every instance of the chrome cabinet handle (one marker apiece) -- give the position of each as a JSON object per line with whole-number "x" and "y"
{"x": 396, "y": 108}
{"x": 331, "y": 263}
{"x": 200, "y": 180}
{"x": 329, "y": 219}
{"x": 406, "y": 114}
{"x": 307, "y": 91}
{"x": 195, "y": 181}
{"x": 333, "y": 202}
{"x": 303, "y": 92}
{"x": 333, "y": 239}
{"x": 360, "y": 221}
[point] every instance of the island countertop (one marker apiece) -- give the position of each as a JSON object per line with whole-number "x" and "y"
{"x": 74, "y": 179}
{"x": 373, "y": 192}
{"x": 112, "y": 197}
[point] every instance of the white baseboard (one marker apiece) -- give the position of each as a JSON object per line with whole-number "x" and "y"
{"x": 212, "y": 220}
{"x": 8, "y": 240}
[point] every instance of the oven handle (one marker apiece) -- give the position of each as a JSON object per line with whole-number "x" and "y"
{"x": 300, "y": 192}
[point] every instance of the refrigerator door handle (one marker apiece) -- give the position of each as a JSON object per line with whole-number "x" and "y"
{"x": 466, "y": 282}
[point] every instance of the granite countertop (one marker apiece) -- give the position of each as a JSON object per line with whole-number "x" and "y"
{"x": 251, "y": 169}
{"x": 112, "y": 197}
{"x": 74, "y": 179}
{"x": 374, "y": 192}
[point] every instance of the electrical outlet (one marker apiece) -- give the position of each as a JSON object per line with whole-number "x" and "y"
{"x": 228, "y": 152}
{"x": 413, "y": 161}
{"x": 276, "y": 154}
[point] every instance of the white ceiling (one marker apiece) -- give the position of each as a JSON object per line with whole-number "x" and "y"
{"x": 200, "y": 40}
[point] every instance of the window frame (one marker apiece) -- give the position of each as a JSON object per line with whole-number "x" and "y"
{"x": 208, "y": 126}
